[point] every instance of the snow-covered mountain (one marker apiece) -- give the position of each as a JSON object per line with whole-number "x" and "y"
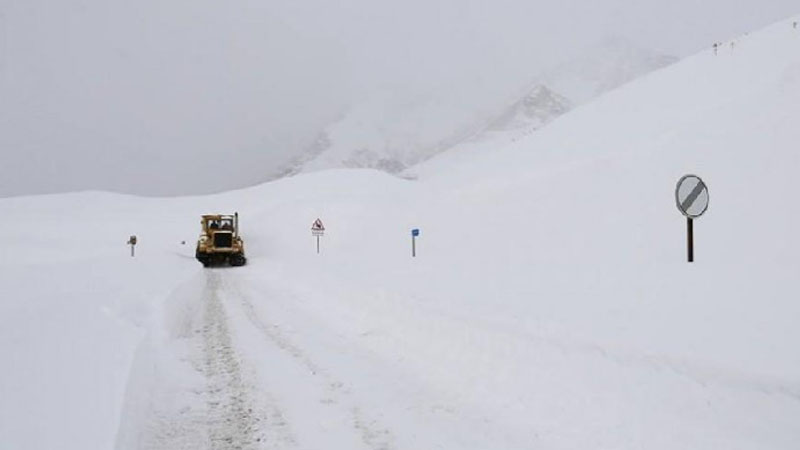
{"x": 602, "y": 68}
{"x": 549, "y": 304}
{"x": 391, "y": 135}
{"x": 540, "y": 106}
{"x": 388, "y": 133}
{"x": 606, "y": 66}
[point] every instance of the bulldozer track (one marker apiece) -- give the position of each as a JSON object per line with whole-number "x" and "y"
{"x": 334, "y": 392}
{"x": 227, "y": 411}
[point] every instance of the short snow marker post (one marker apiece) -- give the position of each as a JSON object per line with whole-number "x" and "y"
{"x": 691, "y": 197}
{"x": 317, "y": 230}
{"x": 132, "y": 243}
{"x": 414, "y": 234}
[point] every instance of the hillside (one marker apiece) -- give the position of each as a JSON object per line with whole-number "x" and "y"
{"x": 549, "y": 305}
{"x": 603, "y": 67}
{"x": 391, "y": 133}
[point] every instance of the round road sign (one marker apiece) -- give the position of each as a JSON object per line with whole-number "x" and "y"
{"x": 691, "y": 196}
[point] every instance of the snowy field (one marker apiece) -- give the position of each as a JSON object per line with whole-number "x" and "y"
{"x": 550, "y": 305}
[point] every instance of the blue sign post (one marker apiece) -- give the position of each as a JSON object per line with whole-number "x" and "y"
{"x": 414, "y": 234}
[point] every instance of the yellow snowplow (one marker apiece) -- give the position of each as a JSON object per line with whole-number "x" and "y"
{"x": 219, "y": 241}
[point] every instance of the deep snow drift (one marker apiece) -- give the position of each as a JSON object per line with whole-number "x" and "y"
{"x": 549, "y": 306}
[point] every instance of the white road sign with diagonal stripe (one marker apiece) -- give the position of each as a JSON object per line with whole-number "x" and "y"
{"x": 691, "y": 196}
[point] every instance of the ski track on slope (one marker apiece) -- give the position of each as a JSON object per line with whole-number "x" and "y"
{"x": 332, "y": 392}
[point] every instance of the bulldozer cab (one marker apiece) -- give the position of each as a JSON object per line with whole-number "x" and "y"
{"x": 211, "y": 223}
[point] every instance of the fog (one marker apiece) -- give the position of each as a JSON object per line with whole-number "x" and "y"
{"x": 181, "y": 97}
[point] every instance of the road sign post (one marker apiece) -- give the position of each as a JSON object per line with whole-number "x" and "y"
{"x": 690, "y": 239}
{"x": 414, "y": 234}
{"x": 132, "y": 243}
{"x": 691, "y": 197}
{"x": 317, "y": 230}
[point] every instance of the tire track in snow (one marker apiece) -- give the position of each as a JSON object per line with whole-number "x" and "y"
{"x": 223, "y": 408}
{"x": 371, "y": 432}
{"x": 235, "y": 421}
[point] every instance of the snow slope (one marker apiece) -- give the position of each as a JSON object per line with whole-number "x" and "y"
{"x": 540, "y": 106}
{"x": 549, "y": 306}
{"x": 391, "y": 132}
{"x": 603, "y": 67}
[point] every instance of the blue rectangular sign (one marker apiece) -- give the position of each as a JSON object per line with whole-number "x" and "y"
{"x": 415, "y": 232}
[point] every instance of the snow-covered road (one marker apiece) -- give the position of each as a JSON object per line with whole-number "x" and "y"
{"x": 254, "y": 359}
{"x": 549, "y": 305}
{"x": 221, "y": 410}
{"x": 254, "y": 387}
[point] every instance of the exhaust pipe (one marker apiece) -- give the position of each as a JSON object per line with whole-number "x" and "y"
{"x": 236, "y": 223}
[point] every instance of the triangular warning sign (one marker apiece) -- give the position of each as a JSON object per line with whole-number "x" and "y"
{"x": 318, "y": 225}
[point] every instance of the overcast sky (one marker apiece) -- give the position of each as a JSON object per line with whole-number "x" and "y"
{"x": 180, "y": 96}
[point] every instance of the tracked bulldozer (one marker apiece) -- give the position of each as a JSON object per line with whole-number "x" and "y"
{"x": 219, "y": 241}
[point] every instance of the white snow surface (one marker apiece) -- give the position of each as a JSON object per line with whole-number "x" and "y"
{"x": 392, "y": 131}
{"x": 549, "y": 305}
{"x": 609, "y": 64}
